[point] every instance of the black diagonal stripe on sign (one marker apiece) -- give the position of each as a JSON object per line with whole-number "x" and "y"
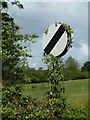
{"x": 54, "y": 40}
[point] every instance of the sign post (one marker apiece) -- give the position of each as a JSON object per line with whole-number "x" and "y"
{"x": 57, "y": 39}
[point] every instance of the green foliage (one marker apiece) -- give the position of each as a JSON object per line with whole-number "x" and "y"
{"x": 86, "y": 69}
{"x": 71, "y": 63}
{"x": 14, "y": 52}
{"x": 15, "y": 2}
{"x": 69, "y": 35}
{"x": 15, "y": 107}
{"x": 55, "y": 95}
{"x": 76, "y": 114}
{"x": 86, "y": 66}
{"x": 4, "y": 4}
{"x": 36, "y": 76}
{"x": 72, "y": 70}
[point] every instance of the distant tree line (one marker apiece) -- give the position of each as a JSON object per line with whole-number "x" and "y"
{"x": 36, "y": 76}
{"x": 71, "y": 71}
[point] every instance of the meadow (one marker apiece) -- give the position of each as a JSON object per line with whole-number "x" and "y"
{"x": 76, "y": 91}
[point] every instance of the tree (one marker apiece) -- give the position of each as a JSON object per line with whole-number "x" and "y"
{"x": 14, "y": 52}
{"x": 71, "y": 68}
{"x": 71, "y": 64}
{"x": 86, "y": 66}
{"x": 85, "y": 70}
{"x": 40, "y": 68}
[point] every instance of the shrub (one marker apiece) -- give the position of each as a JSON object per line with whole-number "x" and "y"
{"x": 17, "y": 107}
{"x": 76, "y": 114}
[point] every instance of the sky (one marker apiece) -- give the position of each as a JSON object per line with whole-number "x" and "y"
{"x": 37, "y": 16}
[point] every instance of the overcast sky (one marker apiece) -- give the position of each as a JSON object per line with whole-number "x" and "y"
{"x": 36, "y": 16}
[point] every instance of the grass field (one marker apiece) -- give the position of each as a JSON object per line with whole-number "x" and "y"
{"x": 76, "y": 91}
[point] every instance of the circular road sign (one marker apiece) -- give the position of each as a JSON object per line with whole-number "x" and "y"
{"x": 55, "y": 40}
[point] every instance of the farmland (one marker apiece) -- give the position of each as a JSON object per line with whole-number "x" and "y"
{"x": 75, "y": 90}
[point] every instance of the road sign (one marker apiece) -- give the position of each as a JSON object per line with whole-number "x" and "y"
{"x": 55, "y": 40}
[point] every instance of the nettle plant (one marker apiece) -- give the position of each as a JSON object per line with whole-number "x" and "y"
{"x": 55, "y": 95}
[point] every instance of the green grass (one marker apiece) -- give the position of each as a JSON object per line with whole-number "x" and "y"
{"x": 76, "y": 91}
{"x": 35, "y": 90}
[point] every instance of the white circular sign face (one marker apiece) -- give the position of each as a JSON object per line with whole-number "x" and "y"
{"x": 55, "y": 40}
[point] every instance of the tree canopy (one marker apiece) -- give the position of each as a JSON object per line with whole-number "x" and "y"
{"x": 86, "y": 66}
{"x": 71, "y": 68}
{"x": 14, "y": 50}
{"x": 71, "y": 63}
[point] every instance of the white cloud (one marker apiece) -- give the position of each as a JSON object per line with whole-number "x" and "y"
{"x": 80, "y": 53}
{"x": 36, "y": 16}
{"x": 33, "y": 65}
{"x": 84, "y": 49}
